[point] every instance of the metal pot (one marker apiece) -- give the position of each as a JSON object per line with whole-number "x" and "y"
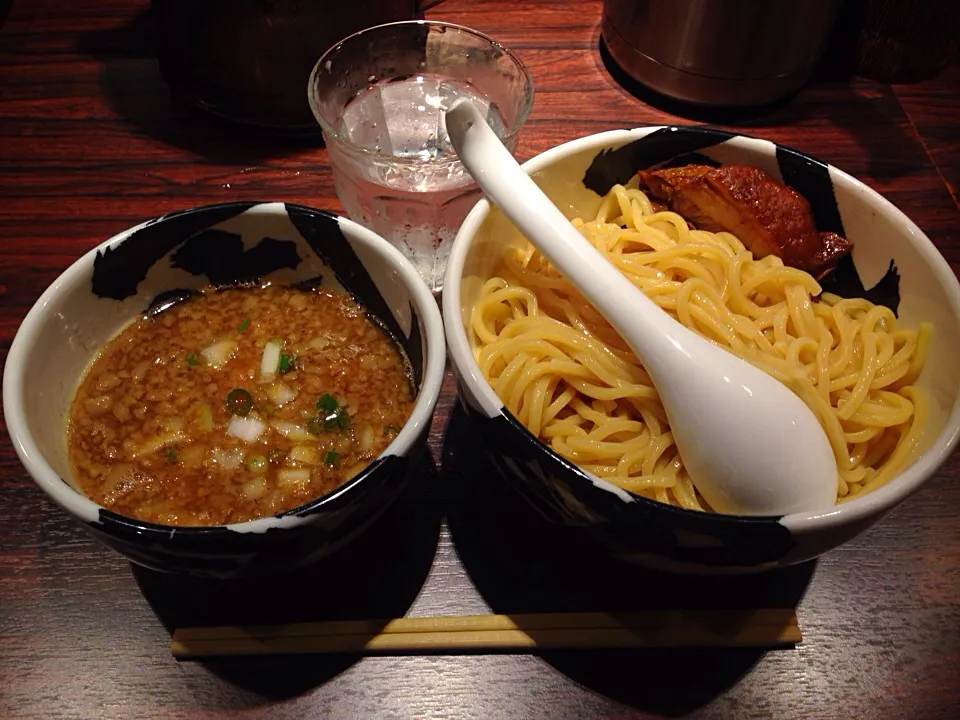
{"x": 718, "y": 52}
{"x": 249, "y": 60}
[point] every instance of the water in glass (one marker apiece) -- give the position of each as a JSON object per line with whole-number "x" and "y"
{"x": 409, "y": 187}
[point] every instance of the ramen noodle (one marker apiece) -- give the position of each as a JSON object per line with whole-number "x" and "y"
{"x": 569, "y": 378}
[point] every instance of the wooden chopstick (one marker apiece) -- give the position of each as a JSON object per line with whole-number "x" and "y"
{"x": 763, "y": 627}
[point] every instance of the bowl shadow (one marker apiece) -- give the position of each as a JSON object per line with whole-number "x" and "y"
{"x": 132, "y": 85}
{"x": 378, "y": 575}
{"x": 528, "y": 565}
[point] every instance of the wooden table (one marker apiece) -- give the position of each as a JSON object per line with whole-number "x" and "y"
{"x": 92, "y": 142}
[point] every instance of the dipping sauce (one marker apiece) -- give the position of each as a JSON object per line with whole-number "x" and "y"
{"x": 235, "y": 405}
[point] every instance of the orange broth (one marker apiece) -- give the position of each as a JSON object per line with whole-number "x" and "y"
{"x": 189, "y": 418}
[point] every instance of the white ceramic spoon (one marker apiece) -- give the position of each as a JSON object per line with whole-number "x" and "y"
{"x": 751, "y": 446}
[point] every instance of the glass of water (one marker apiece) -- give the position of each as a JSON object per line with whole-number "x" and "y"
{"x": 380, "y": 96}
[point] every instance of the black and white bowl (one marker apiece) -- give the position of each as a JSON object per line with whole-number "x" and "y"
{"x": 218, "y": 245}
{"x": 892, "y": 263}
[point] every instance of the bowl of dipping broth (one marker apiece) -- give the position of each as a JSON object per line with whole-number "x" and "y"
{"x": 748, "y": 243}
{"x": 227, "y": 390}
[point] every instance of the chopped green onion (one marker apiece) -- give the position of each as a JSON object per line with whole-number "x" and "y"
{"x": 391, "y": 430}
{"x": 239, "y": 401}
{"x": 258, "y": 464}
{"x": 171, "y": 454}
{"x": 276, "y": 456}
{"x": 192, "y": 359}
{"x": 336, "y": 420}
{"x": 333, "y": 416}
{"x": 267, "y": 408}
{"x": 315, "y": 425}
{"x": 327, "y": 402}
{"x": 287, "y": 363}
{"x": 333, "y": 459}
{"x": 243, "y": 326}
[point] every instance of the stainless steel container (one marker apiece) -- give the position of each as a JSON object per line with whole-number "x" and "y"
{"x": 718, "y": 52}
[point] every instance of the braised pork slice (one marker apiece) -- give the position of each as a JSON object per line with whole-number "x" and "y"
{"x": 767, "y": 216}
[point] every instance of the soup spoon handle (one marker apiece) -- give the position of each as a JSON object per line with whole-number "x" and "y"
{"x": 750, "y": 445}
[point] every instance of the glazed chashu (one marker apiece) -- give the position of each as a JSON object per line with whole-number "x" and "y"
{"x": 768, "y": 217}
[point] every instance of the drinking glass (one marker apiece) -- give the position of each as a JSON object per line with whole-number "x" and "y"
{"x": 380, "y": 95}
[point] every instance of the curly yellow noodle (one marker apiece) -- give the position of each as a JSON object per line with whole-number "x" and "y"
{"x": 567, "y": 376}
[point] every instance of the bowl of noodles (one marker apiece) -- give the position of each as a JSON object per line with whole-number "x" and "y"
{"x": 788, "y": 262}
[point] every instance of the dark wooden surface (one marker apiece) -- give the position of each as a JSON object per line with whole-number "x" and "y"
{"x": 91, "y": 141}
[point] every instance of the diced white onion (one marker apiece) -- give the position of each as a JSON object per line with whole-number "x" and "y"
{"x": 366, "y": 438}
{"x": 205, "y": 418}
{"x": 227, "y": 459}
{"x": 351, "y": 404}
{"x": 173, "y": 424}
{"x": 248, "y": 429}
{"x": 270, "y": 361}
{"x": 155, "y": 443}
{"x": 306, "y": 454}
{"x": 256, "y": 488}
{"x": 295, "y": 432}
{"x": 280, "y": 394}
{"x": 318, "y": 343}
{"x": 140, "y": 370}
{"x": 218, "y": 353}
{"x": 292, "y": 478}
